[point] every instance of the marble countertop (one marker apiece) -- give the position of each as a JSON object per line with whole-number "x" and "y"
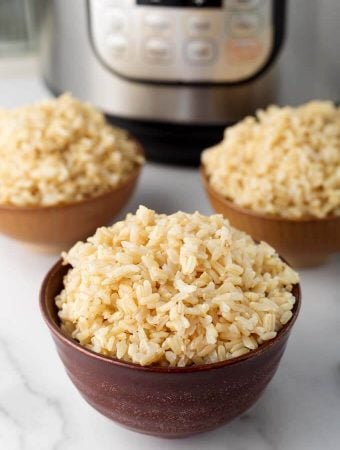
{"x": 41, "y": 410}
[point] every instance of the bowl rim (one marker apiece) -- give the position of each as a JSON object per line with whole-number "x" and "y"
{"x": 258, "y": 215}
{"x": 58, "y": 334}
{"x": 135, "y": 172}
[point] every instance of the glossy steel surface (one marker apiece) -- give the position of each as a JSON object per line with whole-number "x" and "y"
{"x": 65, "y": 34}
{"x": 304, "y": 71}
{"x": 162, "y": 401}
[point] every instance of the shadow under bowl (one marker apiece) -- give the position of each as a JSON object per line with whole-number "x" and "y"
{"x": 169, "y": 402}
{"x": 55, "y": 228}
{"x": 303, "y": 242}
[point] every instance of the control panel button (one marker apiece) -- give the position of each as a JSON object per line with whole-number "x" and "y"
{"x": 200, "y": 51}
{"x": 244, "y": 50}
{"x": 244, "y": 24}
{"x": 158, "y": 50}
{"x": 115, "y": 21}
{"x": 117, "y": 45}
{"x": 157, "y": 22}
{"x": 187, "y": 43}
{"x": 242, "y": 4}
{"x": 199, "y": 24}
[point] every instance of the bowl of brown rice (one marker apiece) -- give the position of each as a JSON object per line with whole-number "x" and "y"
{"x": 64, "y": 171}
{"x": 170, "y": 324}
{"x": 277, "y": 177}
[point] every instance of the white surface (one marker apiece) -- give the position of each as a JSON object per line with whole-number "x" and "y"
{"x": 41, "y": 410}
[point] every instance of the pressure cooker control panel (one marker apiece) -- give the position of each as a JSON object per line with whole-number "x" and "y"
{"x": 189, "y": 41}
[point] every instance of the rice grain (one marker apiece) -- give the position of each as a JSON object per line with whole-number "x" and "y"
{"x": 168, "y": 302}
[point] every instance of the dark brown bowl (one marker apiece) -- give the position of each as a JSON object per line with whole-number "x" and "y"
{"x": 303, "y": 242}
{"x": 55, "y": 228}
{"x": 164, "y": 401}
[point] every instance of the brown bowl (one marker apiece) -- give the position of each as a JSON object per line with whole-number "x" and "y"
{"x": 58, "y": 227}
{"x": 303, "y": 242}
{"x": 164, "y": 401}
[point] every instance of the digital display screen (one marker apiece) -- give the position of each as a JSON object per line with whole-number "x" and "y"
{"x": 182, "y": 3}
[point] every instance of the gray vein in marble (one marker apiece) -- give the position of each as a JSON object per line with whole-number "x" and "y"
{"x": 244, "y": 433}
{"x": 26, "y": 442}
{"x": 260, "y": 428}
{"x": 16, "y": 424}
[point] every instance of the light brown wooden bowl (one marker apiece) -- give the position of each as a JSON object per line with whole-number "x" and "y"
{"x": 55, "y": 228}
{"x": 303, "y": 242}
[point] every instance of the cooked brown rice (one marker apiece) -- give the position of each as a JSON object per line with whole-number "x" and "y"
{"x": 61, "y": 151}
{"x": 284, "y": 161}
{"x": 174, "y": 290}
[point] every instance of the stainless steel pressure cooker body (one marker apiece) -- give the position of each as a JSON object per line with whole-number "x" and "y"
{"x": 174, "y": 72}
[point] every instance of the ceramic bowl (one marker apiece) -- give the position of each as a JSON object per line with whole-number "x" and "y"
{"x": 164, "y": 401}
{"x": 53, "y": 228}
{"x": 303, "y": 242}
